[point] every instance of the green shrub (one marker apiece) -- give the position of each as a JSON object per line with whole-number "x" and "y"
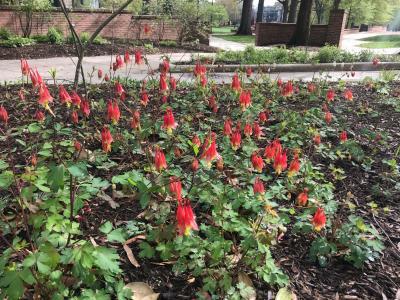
{"x": 100, "y": 41}
{"x": 84, "y": 36}
{"x": 5, "y": 34}
{"x": 41, "y": 38}
{"x": 168, "y": 44}
{"x": 17, "y": 41}
{"x": 55, "y": 36}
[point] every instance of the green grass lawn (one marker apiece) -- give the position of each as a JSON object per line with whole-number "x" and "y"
{"x": 381, "y": 41}
{"x": 244, "y": 39}
{"x": 225, "y": 29}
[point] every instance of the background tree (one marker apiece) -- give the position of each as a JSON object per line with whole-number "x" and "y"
{"x": 302, "y": 32}
{"x": 285, "y": 10}
{"x": 293, "y": 11}
{"x": 233, "y": 9}
{"x": 260, "y": 10}
{"x": 321, "y": 7}
{"x": 245, "y": 21}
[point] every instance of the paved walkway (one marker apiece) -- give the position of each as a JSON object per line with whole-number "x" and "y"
{"x": 226, "y": 45}
{"x": 351, "y": 42}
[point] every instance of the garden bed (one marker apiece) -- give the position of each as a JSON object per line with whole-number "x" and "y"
{"x": 356, "y": 177}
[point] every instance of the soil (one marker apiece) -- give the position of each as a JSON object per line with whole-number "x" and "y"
{"x": 46, "y": 50}
{"x": 376, "y": 280}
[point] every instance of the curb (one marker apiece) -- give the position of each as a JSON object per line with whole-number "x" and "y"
{"x": 283, "y": 68}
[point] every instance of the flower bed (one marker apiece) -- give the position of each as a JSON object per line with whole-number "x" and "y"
{"x": 200, "y": 190}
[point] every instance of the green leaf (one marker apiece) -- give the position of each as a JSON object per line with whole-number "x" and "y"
{"x": 117, "y": 235}
{"x": 6, "y": 179}
{"x": 33, "y": 128}
{"x": 147, "y": 250}
{"x": 3, "y": 165}
{"x": 106, "y": 227}
{"x": 78, "y": 170}
{"x": 107, "y": 259}
{"x": 56, "y": 178}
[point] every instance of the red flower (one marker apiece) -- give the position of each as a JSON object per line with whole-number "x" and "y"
{"x": 248, "y": 130}
{"x": 118, "y": 63}
{"x": 328, "y": 117}
{"x": 106, "y": 139}
{"x": 343, "y": 136}
{"x": 163, "y": 83}
{"x": 169, "y": 121}
{"x": 203, "y": 80}
{"x": 127, "y": 57}
{"x": 376, "y": 61}
{"x": 257, "y": 130}
{"x": 228, "y": 127}
{"x": 330, "y": 95}
{"x": 186, "y": 221}
{"x": 257, "y": 162}
{"x": 35, "y": 77}
{"x": 311, "y": 87}
{"x": 119, "y": 90}
{"x": 280, "y": 162}
{"x": 212, "y": 103}
{"x": 107, "y": 77}
{"x": 64, "y": 96}
{"x": 172, "y": 83}
{"x": 294, "y": 166}
{"x": 319, "y": 219}
{"x": 3, "y": 115}
{"x": 135, "y": 122}
{"x": 245, "y": 99}
{"x": 199, "y": 69}
{"x": 195, "y": 165}
{"x": 302, "y": 198}
{"x": 21, "y": 94}
{"x": 44, "y": 96}
{"x": 196, "y": 141}
{"x": 249, "y": 71}
{"x": 99, "y": 73}
{"x": 279, "y": 82}
{"x": 85, "y": 107}
{"x": 138, "y": 57}
{"x": 74, "y": 117}
{"x": 24, "y": 67}
{"x": 159, "y": 160}
{"x": 236, "y": 83}
{"x": 165, "y": 66}
{"x": 113, "y": 112}
{"x": 258, "y": 187}
{"x": 272, "y": 150}
{"x": 39, "y": 116}
{"x": 317, "y": 139}
{"x": 235, "y": 139}
{"x": 76, "y": 99}
{"x": 144, "y": 99}
{"x": 175, "y": 188}
{"x": 287, "y": 89}
{"x": 263, "y": 117}
{"x": 77, "y": 146}
{"x": 210, "y": 150}
{"x": 146, "y": 28}
{"x": 348, "y": 95}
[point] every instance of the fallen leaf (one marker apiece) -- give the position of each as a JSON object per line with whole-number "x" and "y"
{"x": 131, "y": 257}
{"x": 245, "y": 279}
{"x": 135, "y": 238}
{"x": 108, "y": 199}
{"x": 141, "y": 291}
{"x": 93, "y": 242}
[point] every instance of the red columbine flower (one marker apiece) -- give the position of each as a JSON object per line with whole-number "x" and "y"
{"x": 302, "y": 198}
{"x": 118, "y": 63}
{"x": 245, "y": 99}
{"x": 135, "y": 122}
{"x": 210, "y": 151}
{"x": 199, "y": 69}
{"x": 195, "y": 165}
{"x": 44, "y": 96}
{"x": 196, "y": 141}
{"x": 263, "y": 117}
{"x": 77, "y": 146}
{"x": 3, "y": 115}
{"x": 236, "y": 83}
{"x": 235, "y": 139}
{"x": 186, "y": 221}
{"x": 39, "y": 116}
{"x": 376, "y": 61}
{"x": 64, "y": 96}
{"x": 257, "y": 130}
{"x": 228, "y": 127}
{"x": 311, "y": 87}
{"x": 76, "y": 99}
{"x": 85, "y": 107}
{"x": 24, "y": 67}
{"x": 107, "y": 77}
{"x": 169, "y": 121}
{"x": 99, "y": 73}
{"x": 317, "y": 139}
{"x": 319, "y": 219}
{"x": 328, "y": 117}
{"x": 212, "y": 103}
{"x": 113, "y": 112}
{"x": 203, "y": 80}
{"x": 272, "y": 150}
{"x": 159, "y": 160}
{"x": 74, "y": 117}
{"x": 249, "y": 71}
{"x": 287, "y": 89}
{"x": 127, "y": 57}
{"x": 175, "y": 187}
{"x": 257, "y": 162}
{"x": 35, "y": 78}
{"x": 165, "y": 66}
{"x": 138, "y": 57}
{"x": 144, "y": 98}
{"x": 343, "y": 136}
{"x": 330, "y": 95}
{"x": 294, "y": 166}
{"x": 258, "y": 187}
{"x": 119, "y": 90}
{"x": 163, "y": 83}
{"x": 106, "y": 139}
{"x": 248, "y": 130}
{"x": 280, "y": 162}
{"x": 172, "y": 83}
{"x": 348, "y": 95}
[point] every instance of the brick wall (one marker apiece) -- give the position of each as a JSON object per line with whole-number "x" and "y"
{"x": 281, "y": 33}
{"x": 123, "y": 26}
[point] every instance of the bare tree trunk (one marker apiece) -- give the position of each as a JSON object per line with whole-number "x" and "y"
{"x": 293, "y": 11}
{"x": 336, "y": 4}
{"x": 319, "y": 10}
{"x": 260, "y": 11}
{"x": 302, "y": 32}
{"x": 285, "y": 6}
{"x": 245, "y": 21}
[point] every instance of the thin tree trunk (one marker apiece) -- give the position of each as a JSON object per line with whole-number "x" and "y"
{"x": 260, "y": 11}
{"x": 302, "y": 32}
{"x": 293, "y": 11}
{"x": 285, "y": 8}
{"x": 336, "y": 4}
{"x": 245, "y": 21}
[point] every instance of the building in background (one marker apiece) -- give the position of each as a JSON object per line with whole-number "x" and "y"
{"x": 272, "y": 13}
